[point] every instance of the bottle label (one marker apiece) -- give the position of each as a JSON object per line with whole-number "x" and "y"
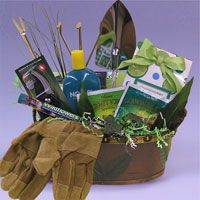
{"x": 74, "y": 94}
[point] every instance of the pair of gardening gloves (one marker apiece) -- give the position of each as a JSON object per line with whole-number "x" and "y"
{"x": 62, "y": 150}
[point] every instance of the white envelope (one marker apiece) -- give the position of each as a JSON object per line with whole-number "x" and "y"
{"x": 154, "y": 75}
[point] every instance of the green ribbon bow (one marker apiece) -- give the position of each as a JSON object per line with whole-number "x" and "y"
{"x": 148, "y": 55}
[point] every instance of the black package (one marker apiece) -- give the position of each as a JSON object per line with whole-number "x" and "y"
{"x": 40, "y": 83}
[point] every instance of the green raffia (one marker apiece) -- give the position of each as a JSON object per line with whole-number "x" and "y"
{"x": 144, "y": 131}
{"x": 88, "y": 121}
{"x": 133, "y": 128}
{"x": 160, "y": 139}
{"x": 163, "y": 155}
{"x": 55, "y": 119}
{"x": 130, "y": 141}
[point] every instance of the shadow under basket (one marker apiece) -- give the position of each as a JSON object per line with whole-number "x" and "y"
{"x": 118, "y": 163}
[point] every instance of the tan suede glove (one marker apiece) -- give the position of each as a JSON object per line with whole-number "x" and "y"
{"x": 79, "y": 153}
{"x": 16, "y": 166}
{"x": 72, "y": 173}
{"x": 21, "y": 179}
{"x": 28, "y": 164}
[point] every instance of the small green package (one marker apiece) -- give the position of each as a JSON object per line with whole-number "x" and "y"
{"x": 105, "y": 102}
{"x": 143, "y": 104}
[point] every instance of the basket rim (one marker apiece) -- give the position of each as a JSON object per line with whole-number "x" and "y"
{"x": 137, "y": 139}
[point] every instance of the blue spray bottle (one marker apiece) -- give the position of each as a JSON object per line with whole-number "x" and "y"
{"x": 79, "y": 73}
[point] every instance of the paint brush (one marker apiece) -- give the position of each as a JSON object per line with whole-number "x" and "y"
{"x": 59, "y": 27}
{"x": 79, "y": 27}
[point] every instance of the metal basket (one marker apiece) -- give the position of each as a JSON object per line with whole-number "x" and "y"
{"x": 118, "y": 163}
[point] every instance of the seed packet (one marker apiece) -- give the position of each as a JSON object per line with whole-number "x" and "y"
{"x": 143, "y": 103}
{"x": 105, "y": 102}
{"x": 40, "y": 83}
{"x": 104, "y": 54}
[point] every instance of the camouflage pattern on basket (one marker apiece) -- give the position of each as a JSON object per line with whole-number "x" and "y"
{"x": 118, "y": 163}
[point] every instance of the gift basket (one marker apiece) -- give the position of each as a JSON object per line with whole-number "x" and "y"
{"x": 135, "y": 105}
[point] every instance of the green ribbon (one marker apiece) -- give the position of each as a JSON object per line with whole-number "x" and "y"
{"x": 148, "y": 55}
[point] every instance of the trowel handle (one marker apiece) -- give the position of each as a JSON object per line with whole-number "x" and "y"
{"x": 115, "y": 63}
